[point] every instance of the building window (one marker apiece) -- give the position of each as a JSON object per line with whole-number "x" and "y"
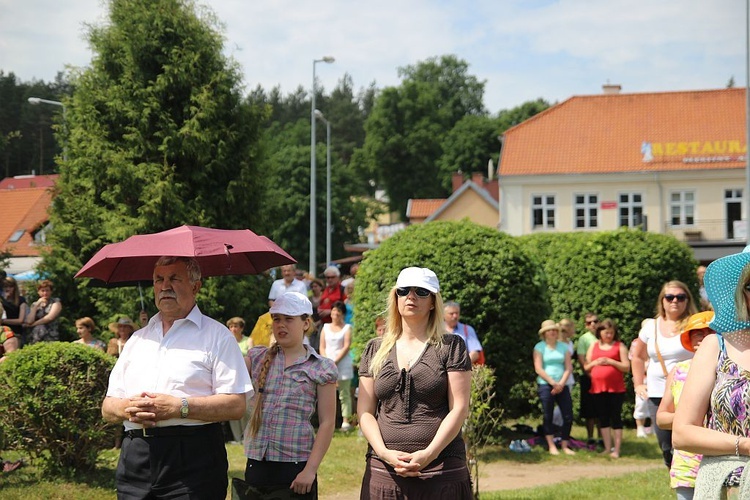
{"x": 631, "y": 209}
{"x": 682, "y": 208}
{"x": 543, "y": 211}
{"x": 586, "y": 207}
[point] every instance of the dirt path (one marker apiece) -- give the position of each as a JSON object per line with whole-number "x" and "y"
{"x": 511, "y": 476}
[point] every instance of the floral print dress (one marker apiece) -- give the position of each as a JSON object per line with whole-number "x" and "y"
{"x": 730, "y": 403}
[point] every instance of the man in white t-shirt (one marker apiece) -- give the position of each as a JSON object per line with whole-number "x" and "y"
{"x": 287, "y": 283}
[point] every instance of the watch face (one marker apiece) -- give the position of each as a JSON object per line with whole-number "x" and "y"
{"x": 184, "y": 409}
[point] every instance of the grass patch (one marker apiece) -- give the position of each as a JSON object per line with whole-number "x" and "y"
{"x": 341, "y": 472}
{"x": 652, "y": 484}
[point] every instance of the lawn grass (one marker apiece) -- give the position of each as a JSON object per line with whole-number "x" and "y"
{"x": 341, "y": 472}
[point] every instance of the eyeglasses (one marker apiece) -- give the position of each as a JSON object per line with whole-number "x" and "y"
{"x": 747, "y": 287}
{"x": 422, "y": 293}
{"x": 681, "y": 297}
{"x": 592, "y": 322}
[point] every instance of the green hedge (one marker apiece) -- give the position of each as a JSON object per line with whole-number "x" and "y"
{"x": 497, "y": 284}
{"x": 51, "y": 401}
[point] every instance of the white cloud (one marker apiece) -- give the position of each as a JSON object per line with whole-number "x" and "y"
{"x": 524, "y": 48}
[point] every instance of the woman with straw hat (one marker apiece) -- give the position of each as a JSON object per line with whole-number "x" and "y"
{"x": 553, "y": 367}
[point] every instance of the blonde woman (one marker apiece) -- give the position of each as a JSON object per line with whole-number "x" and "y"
{"x": 413, "y": 398}
{"x": 660, "y": 346}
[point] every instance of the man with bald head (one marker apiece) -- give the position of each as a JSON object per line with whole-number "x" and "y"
{"x": 174, "y": 381}
{"x": 287, "y": 283}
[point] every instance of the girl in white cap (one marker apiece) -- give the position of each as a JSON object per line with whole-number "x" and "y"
{"x": 414, "y": 391}
{"x": 292, "y": 380}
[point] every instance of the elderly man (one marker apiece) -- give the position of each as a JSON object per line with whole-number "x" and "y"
{"x": 175, "y": 380}
{"x": 333, "y": 292}
{"x": 287, "y": 283}
{"x": 452, "y": 313}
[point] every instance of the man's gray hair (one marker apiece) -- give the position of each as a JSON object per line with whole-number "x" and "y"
{"x": 452, "y": 304}
{"x": 192, "y": 266}
{"x": 332, "y": 270}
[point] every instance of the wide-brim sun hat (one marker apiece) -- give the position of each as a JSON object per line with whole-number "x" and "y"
{"x": 697, "y": 321}
{"x": 548, "y": 324}
{"x": 122, "y": 321}
{"x": 292, "y": 304}
{"x": 420, "y": 277}
{"x": 720, "y": 280}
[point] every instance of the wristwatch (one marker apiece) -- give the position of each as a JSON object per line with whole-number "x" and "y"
{"x": 184, "y": 409}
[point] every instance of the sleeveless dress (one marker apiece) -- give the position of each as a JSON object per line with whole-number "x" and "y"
{"x": 730, "y": 403}
{"x": 685, "y": 465}
{"x": 334, "y": 345}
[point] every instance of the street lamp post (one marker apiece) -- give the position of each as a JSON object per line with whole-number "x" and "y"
{"x": 313, "y": 265}
{"x": 38, "y": 100}
{"x": 328, "y": 185}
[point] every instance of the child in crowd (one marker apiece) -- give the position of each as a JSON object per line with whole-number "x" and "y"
{"x": 685, "y": 465}
{"x": 292, "y": 380}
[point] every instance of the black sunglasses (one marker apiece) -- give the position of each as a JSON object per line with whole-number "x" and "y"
{"x": 421, "y": 292}
{"x": 592, "y": 321}
{"x": 681, "y": 297}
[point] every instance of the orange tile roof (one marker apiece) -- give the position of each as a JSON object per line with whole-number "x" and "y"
{"x": 23, "y": 208}
{"x": 422, "y": 208}
{"x": 695, "y": 130}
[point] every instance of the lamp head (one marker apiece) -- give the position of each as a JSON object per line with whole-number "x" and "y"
{"x": 328, "y": 59}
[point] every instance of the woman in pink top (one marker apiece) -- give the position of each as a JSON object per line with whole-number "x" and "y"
{"x": 607, "y": 362}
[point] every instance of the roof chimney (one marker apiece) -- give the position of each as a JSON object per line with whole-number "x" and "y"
{"x": 457, "y": 180}
{"x": 611, "y": 88}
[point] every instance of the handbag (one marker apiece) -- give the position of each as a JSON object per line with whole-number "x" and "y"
{"x": 241, "y": 490}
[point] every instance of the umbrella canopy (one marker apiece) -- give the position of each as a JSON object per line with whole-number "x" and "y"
{"x": 220, "y": 252}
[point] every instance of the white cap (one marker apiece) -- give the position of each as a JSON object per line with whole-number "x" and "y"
{"x": 292, "y": 304}
{"x": 418, "y": 276}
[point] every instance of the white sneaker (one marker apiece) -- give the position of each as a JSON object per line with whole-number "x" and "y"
{"x": 346, "y": 426}
{"x": 641, "y": 433}
{"x": 648, "y": 430}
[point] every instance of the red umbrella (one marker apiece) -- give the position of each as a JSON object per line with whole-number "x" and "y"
{"x": 219, "y": 252}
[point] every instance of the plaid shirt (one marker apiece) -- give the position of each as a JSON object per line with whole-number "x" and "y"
{"x": 290, "y": 399}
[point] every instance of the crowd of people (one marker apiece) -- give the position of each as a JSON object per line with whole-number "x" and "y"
{"x": 181, "y": 378}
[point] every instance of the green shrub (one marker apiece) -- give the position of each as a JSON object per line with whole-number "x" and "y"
{"x": 498, "y": 286}
{"x": 616, "y": 274}
{"x": 51, "y": 400}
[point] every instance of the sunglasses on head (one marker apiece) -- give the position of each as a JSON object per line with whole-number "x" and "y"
{"x": 418, "y": 290}
{"x": 681, "y": 297}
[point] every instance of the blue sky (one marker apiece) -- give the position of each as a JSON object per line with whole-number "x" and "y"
{"x": 522, "y": 49}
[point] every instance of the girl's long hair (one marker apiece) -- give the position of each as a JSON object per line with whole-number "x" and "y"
{"x": 394, "y": 329}
{"x": 257, "y": 417}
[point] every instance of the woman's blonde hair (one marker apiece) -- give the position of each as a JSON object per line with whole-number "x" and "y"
{"x": 740, "y": 304}
{"x": 689, "y": 310}
{"x": 394, "y": 328}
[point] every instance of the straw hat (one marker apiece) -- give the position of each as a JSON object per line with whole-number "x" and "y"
{"x": 122, "y": 321}
{"x": 548, "y": 324}
{"x": 697, "y": 321}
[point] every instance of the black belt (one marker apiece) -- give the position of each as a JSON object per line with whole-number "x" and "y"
{"x": 172, "y": 431}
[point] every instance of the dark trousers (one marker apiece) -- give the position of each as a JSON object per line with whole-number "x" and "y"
{"x": 175, "y": 467}
{"x": 565, "y": 403}
{"x": 609, "y": 409}
{"x": 664, "y": 437}
{"x": 273, "y": 479}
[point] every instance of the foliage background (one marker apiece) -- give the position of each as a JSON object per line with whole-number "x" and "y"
{"x": 489, "y": 273}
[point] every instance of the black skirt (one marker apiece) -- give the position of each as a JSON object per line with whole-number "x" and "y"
{"x": 448, "y": 479}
